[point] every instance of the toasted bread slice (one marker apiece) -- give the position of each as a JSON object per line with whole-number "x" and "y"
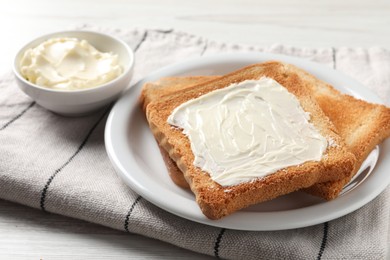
{"x": 161, "y": 89}
{"x": 361, "y": 124}
{"x": 216, "y": 201}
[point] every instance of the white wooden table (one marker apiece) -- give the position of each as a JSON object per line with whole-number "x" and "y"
{"x": 30, "y": 234}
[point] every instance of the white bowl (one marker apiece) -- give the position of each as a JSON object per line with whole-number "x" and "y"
{"x": 85, "y": 101}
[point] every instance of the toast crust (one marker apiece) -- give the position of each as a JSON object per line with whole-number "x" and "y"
{"x": 216, "y": 201}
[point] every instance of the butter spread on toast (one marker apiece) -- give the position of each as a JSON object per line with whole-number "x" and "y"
{"x": 248, "y": 130}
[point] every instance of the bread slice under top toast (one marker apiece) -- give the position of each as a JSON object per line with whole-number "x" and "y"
{"x": 216, "y": 201}
{"x": 362, "y": 125}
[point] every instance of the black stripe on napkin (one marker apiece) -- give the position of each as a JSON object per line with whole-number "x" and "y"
{"x": 334, "y": 57}
{"x": 126, "y": 225}
{"x": 164, "y": 31}
{"x": 217, "y": 242}
{"x": 324, "y": 239}
{"x": 142, "y": 41}
{"x": 48, "y": 182}
{"x": 204, "y": 48}
{"x": 17, "y": 116}
{"x": 16, "y": 104}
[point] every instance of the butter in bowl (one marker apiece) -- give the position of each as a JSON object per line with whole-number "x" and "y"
{"x": 74, "y": 73}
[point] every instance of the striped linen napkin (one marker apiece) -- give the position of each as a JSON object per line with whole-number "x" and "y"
{"x": 60, "y": 165}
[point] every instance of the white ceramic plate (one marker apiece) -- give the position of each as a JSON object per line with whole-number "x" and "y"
{"x": 136, "y": 157}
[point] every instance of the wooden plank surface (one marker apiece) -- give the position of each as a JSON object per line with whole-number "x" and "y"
{"x": 27, "y": 233}
{"x": 294, "y": 22}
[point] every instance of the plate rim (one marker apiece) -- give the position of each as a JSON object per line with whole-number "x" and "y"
{"x": 367, "y": 191}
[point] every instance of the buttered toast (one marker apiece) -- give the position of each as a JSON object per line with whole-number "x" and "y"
{"x": 361, "y": 124}
{"x": 161, "y": 89}
{"x": 217, "y": 201}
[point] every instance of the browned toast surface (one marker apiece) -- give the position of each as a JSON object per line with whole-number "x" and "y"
{"x": 217, "y": 201}
{"x": 159, "y": 89}
{"x": 361, "y": 124}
